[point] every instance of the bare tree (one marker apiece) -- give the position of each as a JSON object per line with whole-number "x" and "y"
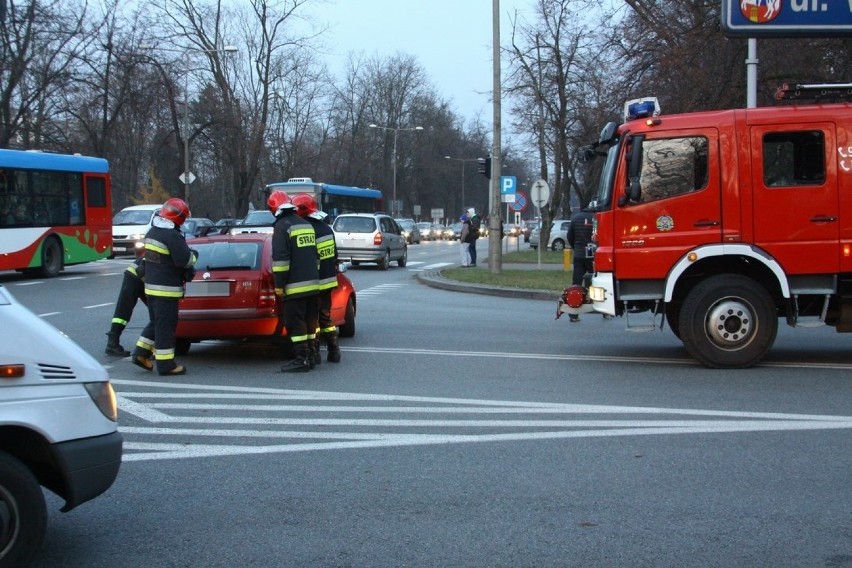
{"x": 555, "y": 70}
{"x": 676, "y": 50}
{"x": 39, "y": 43}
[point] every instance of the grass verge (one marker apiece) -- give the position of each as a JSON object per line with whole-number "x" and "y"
{"x": 531, "y": 279}
{"x": 530, "y": 256}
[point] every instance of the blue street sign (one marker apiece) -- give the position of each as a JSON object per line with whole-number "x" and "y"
{"x": 784, "y": 18}
{"x": 508, "y": 185}
{"x": 520, "y": 201}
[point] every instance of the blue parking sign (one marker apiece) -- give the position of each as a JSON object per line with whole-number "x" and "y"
{"x": 508, "y": 184}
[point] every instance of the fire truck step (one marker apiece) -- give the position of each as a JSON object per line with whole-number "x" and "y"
{"x": 641, "y": 328}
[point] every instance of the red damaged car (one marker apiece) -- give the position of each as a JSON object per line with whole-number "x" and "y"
{"x": 233, "y": 295}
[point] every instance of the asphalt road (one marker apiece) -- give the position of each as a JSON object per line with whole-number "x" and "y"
{"x": 463, "y": 430}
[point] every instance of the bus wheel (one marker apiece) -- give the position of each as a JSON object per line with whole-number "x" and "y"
{"x": 51, "y": 258}
{"x": 728, "y": 322}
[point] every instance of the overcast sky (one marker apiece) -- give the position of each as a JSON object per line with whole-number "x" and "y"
{"x": 451, "y": 39}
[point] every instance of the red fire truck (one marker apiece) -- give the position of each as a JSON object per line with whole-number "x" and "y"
{"x": 720, "y": 223}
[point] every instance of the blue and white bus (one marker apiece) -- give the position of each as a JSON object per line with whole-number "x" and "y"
{"x": 332, "y": 199}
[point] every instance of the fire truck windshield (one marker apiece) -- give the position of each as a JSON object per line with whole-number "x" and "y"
{"x": 603, "y": 197}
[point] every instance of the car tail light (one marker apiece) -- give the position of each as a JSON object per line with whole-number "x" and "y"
{"x": 266, "y": 297}
{"x": 377, "y": 239}
{"x": 575, "y": 296}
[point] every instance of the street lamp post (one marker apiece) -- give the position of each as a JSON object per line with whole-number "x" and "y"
{"x": 187, "y": 176}
{"x": 462, "y": 160}
{"x": 395, "y": 133}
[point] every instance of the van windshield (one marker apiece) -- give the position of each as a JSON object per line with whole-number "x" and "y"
{"x": 133, "y": 217}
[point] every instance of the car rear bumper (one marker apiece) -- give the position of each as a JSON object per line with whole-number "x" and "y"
{"x": 209, "y": 324}
{"x": 360, "y": 254}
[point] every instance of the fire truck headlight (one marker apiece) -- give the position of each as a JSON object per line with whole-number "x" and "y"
{"x": 597, "y": 294}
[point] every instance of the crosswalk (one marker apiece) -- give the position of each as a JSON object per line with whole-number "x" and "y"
{"x": 181, "y": 421}
{"x": 416, "y": 266}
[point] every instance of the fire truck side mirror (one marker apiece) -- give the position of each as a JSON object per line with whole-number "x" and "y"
{"x": 608, "y": 133}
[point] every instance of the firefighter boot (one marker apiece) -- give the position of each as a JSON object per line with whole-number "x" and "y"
{"x": 333, "y": 347}
{"x": 302, "y": 362}
{"x": 316, "y": 356}
{"x": 113, "y": 347}
{"x": 142, "y": 359}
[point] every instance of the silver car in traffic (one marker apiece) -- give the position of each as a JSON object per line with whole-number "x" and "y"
{"x": 370, "y": 237}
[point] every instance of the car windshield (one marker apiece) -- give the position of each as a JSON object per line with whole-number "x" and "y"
{"x": 355, "y": 224}
{"x": 228, "y": 256}
{"x": 133, "y": 217}
{"x": 259, "y": 218}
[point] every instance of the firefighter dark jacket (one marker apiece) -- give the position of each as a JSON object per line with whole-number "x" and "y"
{"x": 327, "y": 251}
{"x": 167, "y": 260}
{"x": 295, "y": 261}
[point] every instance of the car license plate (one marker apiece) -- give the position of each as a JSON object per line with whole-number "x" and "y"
{"x": 207, "y": 289}
{"x": 119, "y": 249}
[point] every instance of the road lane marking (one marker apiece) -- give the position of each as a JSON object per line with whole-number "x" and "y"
{"x": 378, "y": 290}
{"x": 575, "y": 357}
{"x": 175, "y": 425}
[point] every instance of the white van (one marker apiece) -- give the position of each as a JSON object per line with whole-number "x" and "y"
{"x": 129, "y": 227}
{"x": 58, "y": 427}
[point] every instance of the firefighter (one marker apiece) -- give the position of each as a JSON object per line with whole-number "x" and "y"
{"x": 579, "y": 235}
{"x": 168, "y": 265}
{"x": 295, "y": 268}
{"x": 132, "y": 290}
{"x": 306, "y": 208}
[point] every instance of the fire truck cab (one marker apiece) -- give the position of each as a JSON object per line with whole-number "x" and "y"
{"x": 720, "y": 223}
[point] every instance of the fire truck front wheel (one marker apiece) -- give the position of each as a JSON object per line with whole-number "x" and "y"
{"x": 728, "y": 322}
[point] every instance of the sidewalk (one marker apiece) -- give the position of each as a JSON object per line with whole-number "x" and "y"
{"x": 436, "y": 279}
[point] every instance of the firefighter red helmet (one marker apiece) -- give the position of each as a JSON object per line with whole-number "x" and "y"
{"x": 305, "y": 204}
{"x": 175, "y": 210}
{"x": 279, "y": 200}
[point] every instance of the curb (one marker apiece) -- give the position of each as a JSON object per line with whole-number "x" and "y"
{"x": 435, "y": 279}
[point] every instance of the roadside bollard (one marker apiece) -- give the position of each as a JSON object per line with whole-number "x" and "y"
{"x": 567, "y": 259}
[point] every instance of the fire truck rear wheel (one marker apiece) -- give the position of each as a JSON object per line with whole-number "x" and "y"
{"x": 728, "y": 322}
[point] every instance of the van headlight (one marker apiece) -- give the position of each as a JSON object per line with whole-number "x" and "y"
{"x": 103, "y": 396}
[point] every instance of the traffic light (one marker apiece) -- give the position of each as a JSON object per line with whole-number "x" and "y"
{"x": 484, "y": 167}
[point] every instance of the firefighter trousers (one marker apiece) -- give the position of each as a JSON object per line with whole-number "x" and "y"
{"x": 132, "y": 290}
{"x": 300, "y": 318}
{"x": 158, "y": 337}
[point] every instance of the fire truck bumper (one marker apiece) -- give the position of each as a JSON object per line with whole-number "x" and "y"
{"x": 573, "y": 301}
{"x": 602, "y": 293}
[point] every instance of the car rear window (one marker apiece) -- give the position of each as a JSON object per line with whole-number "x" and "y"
{"x": 228, "y": 256}
{"x": 355, "y": 224}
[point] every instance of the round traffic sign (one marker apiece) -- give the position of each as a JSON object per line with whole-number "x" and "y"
{"x": 540, "y": 193}
{"x": 520, "y": 201}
